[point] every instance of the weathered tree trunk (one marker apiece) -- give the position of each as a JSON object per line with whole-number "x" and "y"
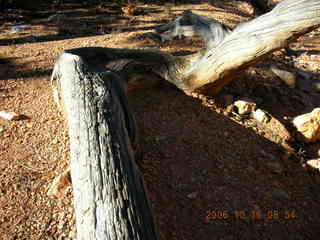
{"x": 110, "y": 200}
{"x": 227, "y": 52}
{"x": 248, "y": 43}
{"x": 109, "y": 194}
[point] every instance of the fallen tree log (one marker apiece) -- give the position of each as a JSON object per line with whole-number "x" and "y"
{"x": 227, "y": 53}
{"x": 247, "y": 44}
{"x": 110, "y": 199}
{"x": 109, "y": 194}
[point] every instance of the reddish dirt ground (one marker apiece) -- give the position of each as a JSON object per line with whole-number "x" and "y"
{"x": 210, "y": 174}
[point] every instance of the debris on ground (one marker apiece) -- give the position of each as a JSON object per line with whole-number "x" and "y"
{"x": 309, "y": 125}
{"x": 314, "y": 163}
{"x": 12, "y": 116}
{"x": 245, "y": 106}
{"x": 261, "y": 116}
{"x": 287, "y": 77}
{"x": 60, "y": 185}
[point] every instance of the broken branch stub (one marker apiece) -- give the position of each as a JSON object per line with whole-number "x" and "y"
{"x": 211, "y": 31}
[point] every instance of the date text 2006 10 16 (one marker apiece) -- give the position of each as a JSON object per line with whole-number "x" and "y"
{"x": 250, "y": 215}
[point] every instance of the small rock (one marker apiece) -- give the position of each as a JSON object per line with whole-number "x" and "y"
{"x": 192, "y": 195}
{"x": 309, "y": 125}
{"x": 314, "y": 163}
{"x": 280, "y": 129}
{"x": 60, "y": 184}
{"x": 12, "y": 116}
{"x": 245, "y": 106}
{"x": 260, "y": 116}
{"x": 287, "y": 77}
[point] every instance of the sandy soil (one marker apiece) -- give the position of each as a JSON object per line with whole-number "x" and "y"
{"x": 210, "y": 173}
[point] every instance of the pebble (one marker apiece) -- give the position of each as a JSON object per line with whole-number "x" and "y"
{"x": 12, "y": 116}
{"x": 60, "y": 185}
{"x": 245, "y": 106}
{"x": 287, "y": 77}
{"x": 260, "y": 116}
{"x": 314, "y": 163}
{"x": 309, "y": 125}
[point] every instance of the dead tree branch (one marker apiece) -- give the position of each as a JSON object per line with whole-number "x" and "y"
{"x": 110, "y": 198}
{"x": 109, "y": 194}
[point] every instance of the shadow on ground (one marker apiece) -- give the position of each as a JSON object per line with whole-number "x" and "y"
{"x": 76, "y": 23}
{"x": 211, "y": 178}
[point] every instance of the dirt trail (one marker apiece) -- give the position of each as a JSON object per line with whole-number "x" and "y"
{"x": 208, "y": 176}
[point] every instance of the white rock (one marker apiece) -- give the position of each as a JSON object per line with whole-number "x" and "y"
{"x": 287, "y": 77}
{"x": 309, "y": 125}
{"x": 260, "y": 116}
{"x": 12, "y": 116}
{"x": 245, "y": 106}
{"x": 315, "y": 163}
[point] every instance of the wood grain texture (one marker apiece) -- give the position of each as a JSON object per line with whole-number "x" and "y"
{"x": 250, "y": 42}
{"x": 109, "y": 194}
{"x": 110, "y": 198}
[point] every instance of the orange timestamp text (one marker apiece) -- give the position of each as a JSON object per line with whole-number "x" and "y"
{"x": 250, "y": 215}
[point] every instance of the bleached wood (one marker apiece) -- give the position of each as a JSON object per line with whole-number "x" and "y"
{"x": 110, "y": 199}
{"x": 109, "y": 194}
{"x": 250, "y": 42}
